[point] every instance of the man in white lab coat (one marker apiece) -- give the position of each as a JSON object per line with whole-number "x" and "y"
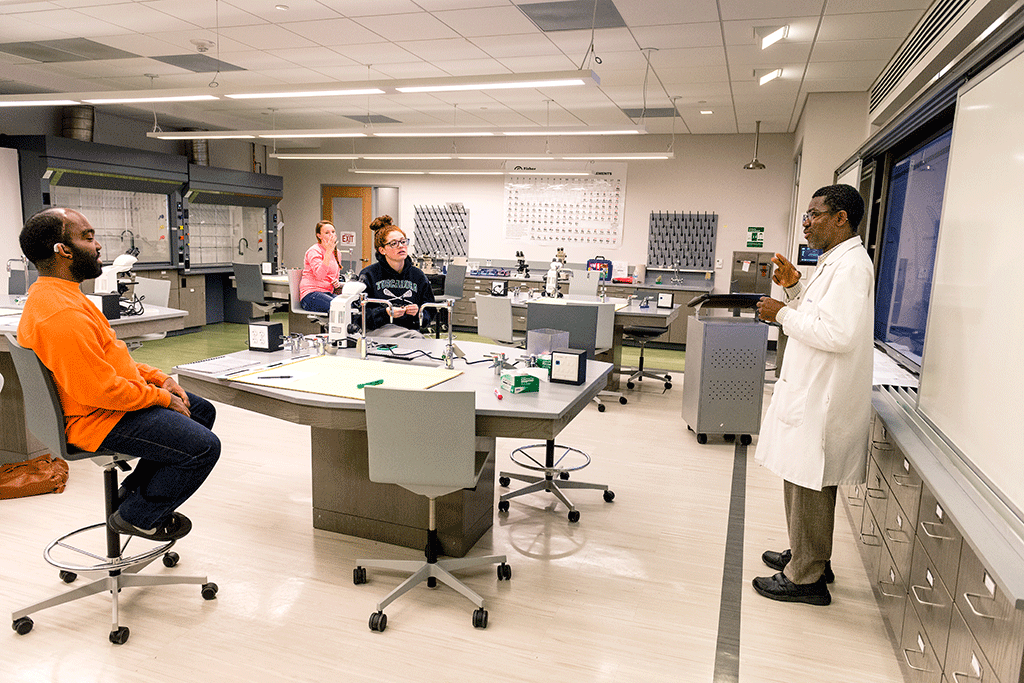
{"x": 815, "y": 432}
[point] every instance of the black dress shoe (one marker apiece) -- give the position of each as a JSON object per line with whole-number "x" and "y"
{"x": 778, "y": 562}
{"x": 174, "y": 527}
{"x": 780, "y": 588}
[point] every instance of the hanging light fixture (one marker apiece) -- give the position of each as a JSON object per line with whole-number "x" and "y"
{"x": 756, "y": 165}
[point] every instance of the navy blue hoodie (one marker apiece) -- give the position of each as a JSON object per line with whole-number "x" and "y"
{"x": 410, "y": 286}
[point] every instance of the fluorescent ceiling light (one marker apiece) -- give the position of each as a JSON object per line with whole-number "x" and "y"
{"x": 607, "y": 156}
{"x": 770, "y": 76}
{"x": 370, "y": 170}
{"x": 428, "y": 134}
{"x": 706, "y": 112}
{"x": 402, "y": 132}
{"x": 152, "y": 98}
{"x": 465, "y": 173}
{"x": 501, "y": 82}
{"x": 623, "y": 156}
{"x": 39, "y": 103}
{"x": 304, "y": 93}
{"x": 770, "y": 37}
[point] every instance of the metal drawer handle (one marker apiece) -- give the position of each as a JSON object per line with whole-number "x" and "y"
{"x": 967, "y": 677}
{"x": 889, "y": 595}
{"x": 881, "y": 493}
{"x": 906, "y": 658}
{"x": 896, "y": 540}
{"x": 864, "y": 537}
{"x": 926, "y": 525}
{"x": 913, "y": 589}
{"x": 968, "y": 596}
{"x": 896, "y": 478}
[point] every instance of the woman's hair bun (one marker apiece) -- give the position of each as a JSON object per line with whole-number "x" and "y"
{"x": 380, "y": 222}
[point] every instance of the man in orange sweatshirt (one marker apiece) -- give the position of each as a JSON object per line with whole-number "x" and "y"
{"x": 109, "y": 400}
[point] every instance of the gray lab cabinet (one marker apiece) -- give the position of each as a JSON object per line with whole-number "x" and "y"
{"x": 723, "y": 386}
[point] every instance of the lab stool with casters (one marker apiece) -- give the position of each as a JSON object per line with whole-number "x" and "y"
{"x": 642, "y": 334}
{"x": 432, "y": 451}
{"x": 556, "y": 469}
{"x": 45, "y": 419}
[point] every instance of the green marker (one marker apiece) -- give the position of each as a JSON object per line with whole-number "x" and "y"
{"x": 370, "y": 384}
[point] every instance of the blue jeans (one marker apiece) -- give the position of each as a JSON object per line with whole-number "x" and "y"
{"x": 317, "y": 301}
{"x": 175, "y": 455}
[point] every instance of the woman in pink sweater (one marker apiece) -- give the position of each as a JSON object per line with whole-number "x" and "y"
{"x": 320, "y": 270}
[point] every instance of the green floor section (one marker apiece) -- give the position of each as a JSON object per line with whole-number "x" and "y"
{"x": 221, "y": 338}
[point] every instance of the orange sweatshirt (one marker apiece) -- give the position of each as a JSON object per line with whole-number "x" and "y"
{"x": 97, "y": 379}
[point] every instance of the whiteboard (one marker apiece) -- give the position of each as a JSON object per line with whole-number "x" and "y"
{"x": 972, "y": 376}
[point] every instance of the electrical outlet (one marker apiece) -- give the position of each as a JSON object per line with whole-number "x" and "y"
{"x": 258, "y": 336}
{"x": 718, "y": 264}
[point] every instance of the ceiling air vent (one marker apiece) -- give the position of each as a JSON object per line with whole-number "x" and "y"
{"x": 930, "y": 29}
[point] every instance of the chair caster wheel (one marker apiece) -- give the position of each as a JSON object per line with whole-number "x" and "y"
{"x": 480, "y": 618}
{"x": 702, "y": 438}
{"x": 669, "y": 378}
{"x": 668, "y": 385}
{"x": 171, "y": 559}
{"x": 22, "y": 626}
{"x": 504, "y": 571}
{"x": 609, "y": 496}
{"x": 745, "y": 439}
{"x": 630, "y": 385}
{"x": 120, "y": 635}
{"x": 67, "y": 577}
{"x": 210, "y": 591}
{"x": 622, "y": 400}
{"x": 502, "y": 506}
{"x": 378, "y": 621}
{"x": 600, "y": 407}
{"x": 431, "y": 582}
{"x": 563, "y": 475}
{"x": 359, "y": 575}
{"x": 574, "y": 516}
{"x": 504, "y": 481}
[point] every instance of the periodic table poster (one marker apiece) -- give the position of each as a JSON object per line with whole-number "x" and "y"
{"x": 581, "y": 208}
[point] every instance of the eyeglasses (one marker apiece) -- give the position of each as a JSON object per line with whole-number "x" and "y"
{"x": 812, "y": 214}
{"x": 396, "y": 243}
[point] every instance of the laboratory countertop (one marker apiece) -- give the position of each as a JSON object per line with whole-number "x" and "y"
{"x": 538, "y": 279}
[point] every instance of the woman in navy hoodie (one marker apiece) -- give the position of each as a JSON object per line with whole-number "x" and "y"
{"x": 394, "y": 278}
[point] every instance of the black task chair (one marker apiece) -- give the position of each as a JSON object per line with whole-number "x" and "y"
{"x": 45, "y": 419}
{"x": 432, "y": 451}
{"x": 641, "y": 334}
{"x": 249, "y": 286}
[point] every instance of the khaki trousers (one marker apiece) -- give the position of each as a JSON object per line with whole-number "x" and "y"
{"x": 810, "y": 518}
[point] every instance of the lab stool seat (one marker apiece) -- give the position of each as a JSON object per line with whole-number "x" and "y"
{"x": 642, "y": 334}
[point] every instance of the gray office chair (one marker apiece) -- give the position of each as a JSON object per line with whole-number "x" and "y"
{"x": 45, "y": 419}
{"x": 151, "y": 292}
{"x": 425, "y": 441}
{"x": 584, "y": 282}
{"x": 581, "y": 322}
{"x": 454, "y": 284}
{"x": 641, "y": 334}
{"x": 249, "y": 287}
{"x": 494, "y": 319}
{"x": 294, "y": 279}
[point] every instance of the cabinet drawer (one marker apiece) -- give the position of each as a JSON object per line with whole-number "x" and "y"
{"x": 876, "y": 490}
{"x": 990, "y": 615}
{"x": 898, "y": 534}
{"x": 464, "y": 320}
{"x": 965, "y": 660}
{"x": 931, "y": 598}
{"x": 892, "y": 591}
{"x": 870, "y": 542}
{"x": 921, "y": 662}
{"x": 519, "y": 323}
{"x": 940, "y": 538}
{"x": 905, "y": 484}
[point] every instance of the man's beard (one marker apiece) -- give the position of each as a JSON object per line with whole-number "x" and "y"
{"x": 84, "y": 266}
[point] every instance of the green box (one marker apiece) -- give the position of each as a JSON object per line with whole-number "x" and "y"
{"x": 544, "y": 362}
{"x": 519, "y": 382}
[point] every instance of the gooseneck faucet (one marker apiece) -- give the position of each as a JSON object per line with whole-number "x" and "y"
{"x": 449, "y": 350}
{"x": 363, "y": 300}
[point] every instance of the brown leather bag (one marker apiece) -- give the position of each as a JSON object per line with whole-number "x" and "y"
{"x": 44, "y": 474}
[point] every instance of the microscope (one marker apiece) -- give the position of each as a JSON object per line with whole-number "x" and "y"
{"x": 342, "y": 328}
{"x": 523, "y": 268}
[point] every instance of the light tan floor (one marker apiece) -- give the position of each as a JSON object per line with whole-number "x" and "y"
{"x": 631, "y": 593}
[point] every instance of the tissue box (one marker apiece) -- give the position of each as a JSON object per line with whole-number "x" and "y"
{"x": 544, "y": 362}
{"x": 519, "y": 382}
{"x": 542, "y": 341}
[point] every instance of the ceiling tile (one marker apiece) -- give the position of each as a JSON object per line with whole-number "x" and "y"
{"x": 679, "y": 36}
{"x": 493, "y": 21}
{"x": 868, "y": 26}
{"x": 773, "y": 9}
{"x": 528, "y": 45}
{"x": 855, "y": 50}
{"x": 404, "y": 27}
{"x": 265, "y": 37}
{"x": 298, "y": 10}
{"x": 641, "y": 13}
{"x": 137, "y": 17}
{"x": 332, "y": 32}
{"x": 443, "y": 49}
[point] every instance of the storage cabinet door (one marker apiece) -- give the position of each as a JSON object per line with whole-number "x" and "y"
{"x": 920, "y": 662}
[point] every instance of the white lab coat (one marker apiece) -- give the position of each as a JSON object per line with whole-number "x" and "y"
{"x": 815, "y": 432}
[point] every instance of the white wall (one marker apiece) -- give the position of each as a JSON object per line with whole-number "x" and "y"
{"x": 10, "y": 211}
{"x": 706, "y": 175}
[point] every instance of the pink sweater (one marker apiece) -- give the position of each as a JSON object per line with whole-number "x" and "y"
{"x": 319, "y": 272}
